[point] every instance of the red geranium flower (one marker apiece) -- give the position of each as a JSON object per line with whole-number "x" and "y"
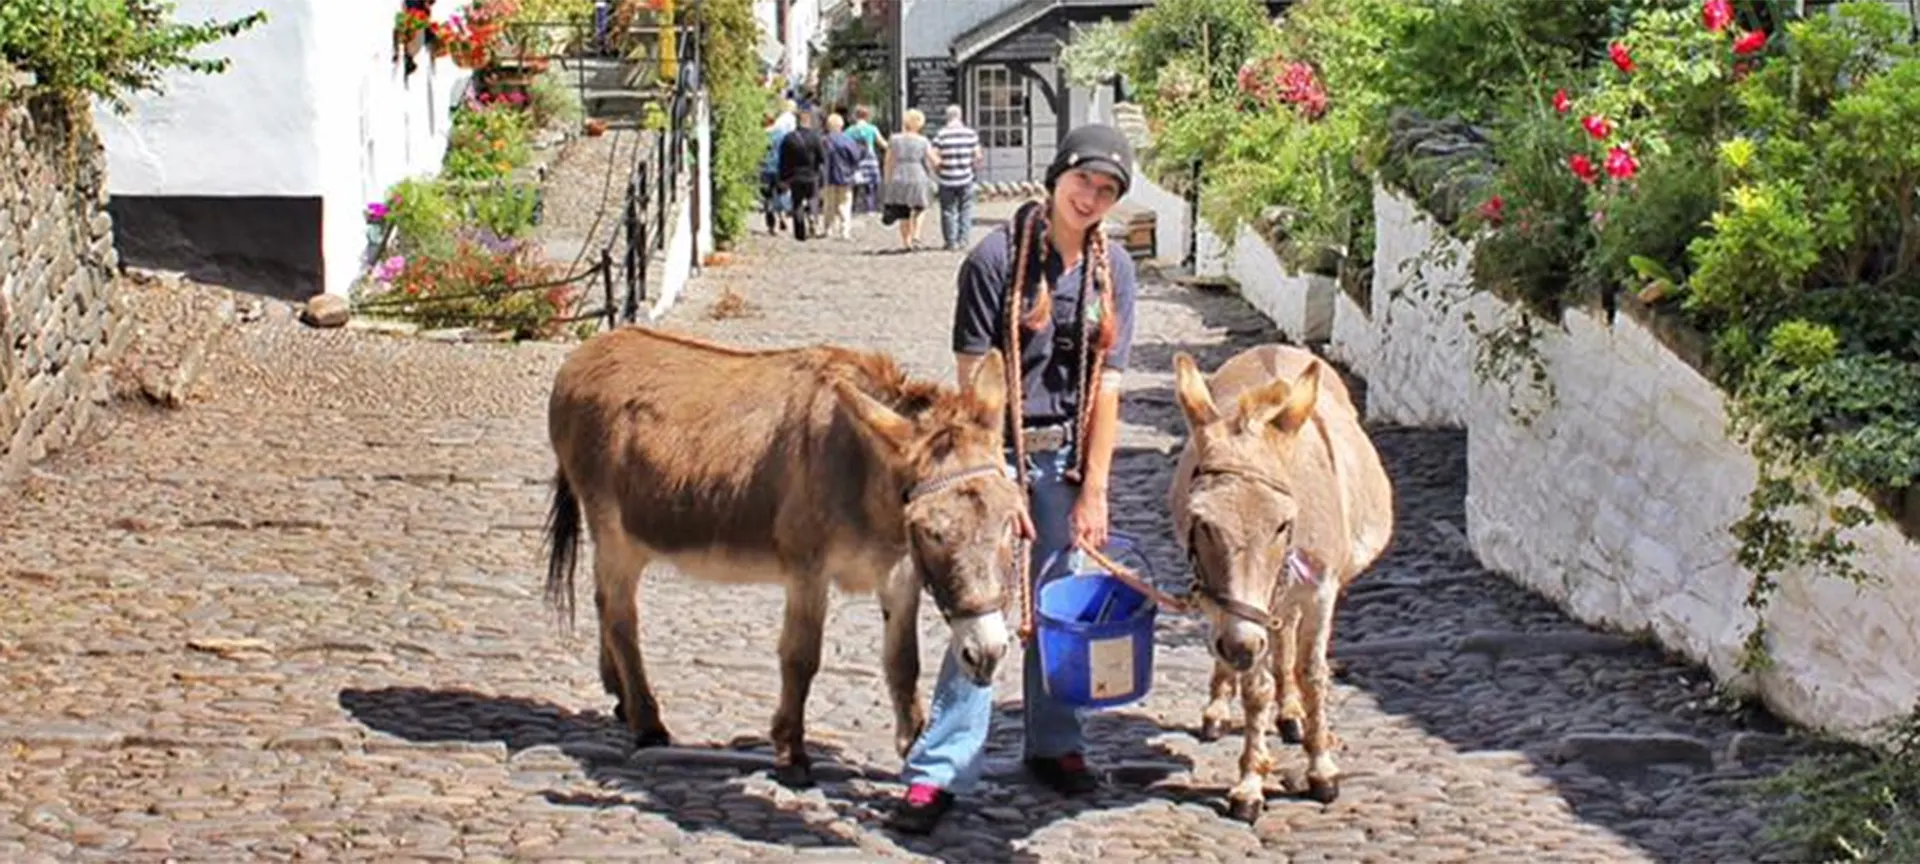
{"x": 1716, "y": 15}
{"x": 1620, "y": 164}
{"x": 1618, "y": 53}
{"x": 1597, "y": 126}
{"x": 1582, "y": 167}
{"x": 1561, "y": 103}
{"x": 1750, "y": 42}
{"x": 1493, "y": 208}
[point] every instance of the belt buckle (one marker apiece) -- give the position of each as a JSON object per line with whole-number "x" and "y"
{"x": 1047, "y": 438}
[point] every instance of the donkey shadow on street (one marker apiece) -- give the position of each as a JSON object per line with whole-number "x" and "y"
{"x": 728, "y": 788}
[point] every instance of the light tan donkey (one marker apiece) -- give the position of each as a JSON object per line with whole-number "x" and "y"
{"x": 808, "y": 468}
{"x": 1280, "y": 501}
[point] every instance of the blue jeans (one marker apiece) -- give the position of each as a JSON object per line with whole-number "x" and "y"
{"x": 956, "y": 215}
{"x": 951, "y": 752}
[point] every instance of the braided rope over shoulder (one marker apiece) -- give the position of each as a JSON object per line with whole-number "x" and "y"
{"x": 1093, "y": 335}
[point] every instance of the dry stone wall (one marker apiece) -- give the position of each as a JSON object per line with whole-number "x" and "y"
{"x": 57, "y": 266}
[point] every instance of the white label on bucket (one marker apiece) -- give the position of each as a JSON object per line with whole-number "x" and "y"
{"x": 1110, "y": 667}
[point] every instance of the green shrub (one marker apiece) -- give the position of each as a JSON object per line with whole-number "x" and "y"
{"x": 109, "y": 48}
{"x": 731, "y": 68}
{"x": 488, "y": 141}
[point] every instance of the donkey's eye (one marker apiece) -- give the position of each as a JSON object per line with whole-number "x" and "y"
{"x": 1284, "y": 531}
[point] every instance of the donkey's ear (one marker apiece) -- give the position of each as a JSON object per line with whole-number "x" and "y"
{"x": 880, "y": 425}
{"x": 988, "y": 384}
{"x": 1286, "y": 405}
{"x": 1190, "y": 390}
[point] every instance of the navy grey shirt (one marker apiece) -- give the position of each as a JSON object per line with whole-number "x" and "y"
{"x": 1050, "y": 359}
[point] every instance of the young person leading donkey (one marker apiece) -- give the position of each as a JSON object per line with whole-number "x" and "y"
{"x": 1071, "y": 326}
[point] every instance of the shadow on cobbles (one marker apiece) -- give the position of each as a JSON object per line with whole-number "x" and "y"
{"x": 729, "y": 790}
{"x": 1633, "y": 740}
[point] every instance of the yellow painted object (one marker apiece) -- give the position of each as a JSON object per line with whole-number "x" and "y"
{"x": 669, "y": 56}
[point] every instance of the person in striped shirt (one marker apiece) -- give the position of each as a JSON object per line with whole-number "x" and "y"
{"x": 959, "y": 150}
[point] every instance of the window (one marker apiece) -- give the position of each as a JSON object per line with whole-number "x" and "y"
{"x": 999, "y": 107}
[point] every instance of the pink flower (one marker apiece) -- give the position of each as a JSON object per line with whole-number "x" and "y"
{"x": 376, "y": 212}
{"x": 1582, "y": 167}
{"x": 1561, "y": 102}
{"x": 1597, "y": 126}
{"x": 390, "y": 269}
{"x": 1620, "y": 164}
{"x": 1716, "y": 15}
{"x": 1751, "y": 42}
{"x": 1617, "y": 52}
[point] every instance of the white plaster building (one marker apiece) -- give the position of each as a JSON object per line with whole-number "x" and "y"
{"x": 258, "y": 178}
{"x": 798, "y": 28}
{"x": 998, "y": 60}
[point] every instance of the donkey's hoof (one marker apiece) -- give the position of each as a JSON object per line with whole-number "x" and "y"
{"x": 1292, "y": 731}
{"x": 794, "y": 776}
{"x": 1212, "y": 729}
{"x": 646, "y": 738}
{"x": 1246, "y": 810}
{"x": 1323, "y": 789}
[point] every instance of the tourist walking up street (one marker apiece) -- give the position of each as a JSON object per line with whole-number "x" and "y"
{"x": 866, "y": 187}
{"x": 959, "y": 149}
{"x": 843, "y": 168}
{"x": 775, "y": 203}
{"x": 803, "y": 158}
{"x": 909, "y": 178}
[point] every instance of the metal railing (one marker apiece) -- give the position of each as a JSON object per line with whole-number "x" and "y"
{"x": 653, "y": 185}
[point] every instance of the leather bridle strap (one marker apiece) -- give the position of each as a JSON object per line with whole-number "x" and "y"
{"x": 942, "y": 484}
{"x": 1298, "y": 570}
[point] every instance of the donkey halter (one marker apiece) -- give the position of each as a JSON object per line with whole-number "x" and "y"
{"x": 1297, "y": 569}
{"x": 945, "y": 483}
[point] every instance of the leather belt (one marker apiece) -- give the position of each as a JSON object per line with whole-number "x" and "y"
{"x": 1055, "y": 437}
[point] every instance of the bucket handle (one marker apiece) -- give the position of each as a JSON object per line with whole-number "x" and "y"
{"x": 1114, "y": 538}
{"x": 1133, "y": 580}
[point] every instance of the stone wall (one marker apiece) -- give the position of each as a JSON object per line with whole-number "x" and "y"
{"x": 57, "y": 321}
{"x": 1614, "y": 496}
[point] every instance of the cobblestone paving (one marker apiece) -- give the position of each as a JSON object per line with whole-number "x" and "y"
{"x": 302, "y": 621}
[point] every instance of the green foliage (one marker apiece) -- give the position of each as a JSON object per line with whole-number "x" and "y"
{"x": 1853, "y": 803}
{"x": 422, "y": 215}
{"x": 731, "y": 69}
{"x": 1096, "y": 53}
{"x": 109, "y": 48}
{"x": 554, "y": 102}
{"x": 1532, "y": 248}
{"x": 488, "y": 141}
{"x": 1210, "y": 37}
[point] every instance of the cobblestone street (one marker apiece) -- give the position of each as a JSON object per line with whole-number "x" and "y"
{"x": 302, "y": 620}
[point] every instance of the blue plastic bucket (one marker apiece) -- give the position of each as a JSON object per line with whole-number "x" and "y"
{"x": 1096, "y": 634}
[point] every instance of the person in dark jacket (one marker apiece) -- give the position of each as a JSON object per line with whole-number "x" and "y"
{"x": 803, "y": 162}
{"x": 843, "y": 171}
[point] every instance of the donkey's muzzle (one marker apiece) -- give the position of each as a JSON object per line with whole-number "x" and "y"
{"x": 979, "y": 643}
{"x": 1239, "y": 645}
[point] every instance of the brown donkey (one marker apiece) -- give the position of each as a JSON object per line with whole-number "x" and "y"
{"x": 1280, "y": 501}
{"x": 807, "y": 468}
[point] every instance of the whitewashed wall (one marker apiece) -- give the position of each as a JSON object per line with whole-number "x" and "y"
{"x": 1614, "y": 499}
{"x": 387, "y": 127}
{"x": 1300, "y": 304}
{"x": 313, "y": 106}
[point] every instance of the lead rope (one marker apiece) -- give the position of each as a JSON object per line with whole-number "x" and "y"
{"x": 1024, "y": 226}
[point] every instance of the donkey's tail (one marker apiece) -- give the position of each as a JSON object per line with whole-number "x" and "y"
{"x": 563, "y": 545}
